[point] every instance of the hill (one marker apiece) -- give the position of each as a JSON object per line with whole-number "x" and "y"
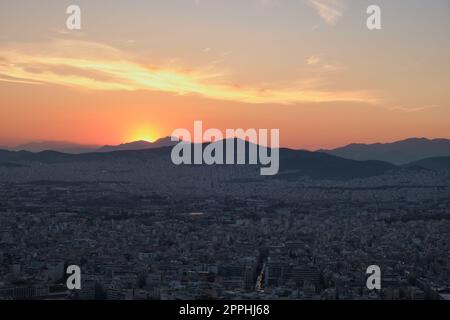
{"x": 293, "y": 163}
{"x": 400, "y": 152}
{"x": 436, "y": 163}
{"x": 139, "y": 145}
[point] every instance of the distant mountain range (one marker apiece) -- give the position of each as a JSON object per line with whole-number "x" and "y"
{"x": 293, "y": 163}
{"x": 139, "y": 145}
{"x": 438, "y": 163}
{"x": 61, "y": 146}
{"x": 400, "y": 152}
{"x": 317, "y": 165}
{"x": 75, "y": 148}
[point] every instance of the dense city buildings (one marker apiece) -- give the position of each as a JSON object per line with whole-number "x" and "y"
{"x": 220, "y": 233}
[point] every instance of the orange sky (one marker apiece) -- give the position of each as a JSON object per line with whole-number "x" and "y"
{"x": 324, "y": 81}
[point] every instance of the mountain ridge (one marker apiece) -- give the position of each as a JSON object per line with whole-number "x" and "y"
{"x": 293, "y": 163}
{"x": 61, "y": 146}
{"x": 432, "y": 163}
{"x": 138, "y": 145}
{"x": 398, "y": 152}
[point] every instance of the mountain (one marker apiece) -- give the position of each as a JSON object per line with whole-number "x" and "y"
{"x": 7, "y": 156}
{"x": 318, "y": 165}
{"x": 60, "y": 146}
{"x": 74, "y": 148}
{"x": 293, "y": 163}
{"x": 436, "y": 163}
{"x": 139, "y": 145}
{"x": 400, "y": 152}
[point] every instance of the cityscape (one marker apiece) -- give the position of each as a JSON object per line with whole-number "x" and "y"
{"x": 204, "y": 154}
{"x": 141, "y": 229}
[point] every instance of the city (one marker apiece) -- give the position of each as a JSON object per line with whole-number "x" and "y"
{"x": 215, "y": 233}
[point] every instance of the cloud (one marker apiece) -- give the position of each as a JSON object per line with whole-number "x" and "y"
{"x": 313, "y": 60}
{"x": 329, "y": 10}
{"x": 414, "y": 108}
{"x": 94, "y": 66}
{"x": 319, "y": 65}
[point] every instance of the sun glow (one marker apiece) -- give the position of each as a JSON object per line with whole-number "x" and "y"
{"x": 143, "y": 134}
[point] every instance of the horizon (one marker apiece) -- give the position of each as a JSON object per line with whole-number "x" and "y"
{"x": 94, "y": 147}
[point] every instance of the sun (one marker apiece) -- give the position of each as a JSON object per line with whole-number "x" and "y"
{"x": 147, "y": 138}
{"x": 143, "y": 134}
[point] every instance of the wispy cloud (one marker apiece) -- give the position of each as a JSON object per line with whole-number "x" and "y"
{"x": 94, "y": 66}
{"x": 329, "y": 10}
{"x": 313, "y": 60}
{"x": 413, "y": 108}
{"x": 317, "y": 63}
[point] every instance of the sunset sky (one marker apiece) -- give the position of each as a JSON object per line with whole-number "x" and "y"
{"x": 140, "y": 69}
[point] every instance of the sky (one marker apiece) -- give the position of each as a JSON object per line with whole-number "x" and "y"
{"x": 138, "y": 70}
